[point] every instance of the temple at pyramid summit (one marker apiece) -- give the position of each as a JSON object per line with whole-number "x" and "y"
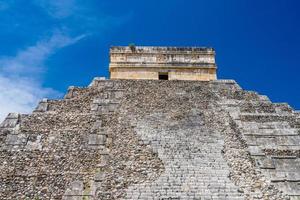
{"x": 166, "y": 63}
{"x": 163, "y": 127}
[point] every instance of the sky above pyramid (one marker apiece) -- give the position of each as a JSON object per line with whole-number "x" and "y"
{"x": 47, "y": 46}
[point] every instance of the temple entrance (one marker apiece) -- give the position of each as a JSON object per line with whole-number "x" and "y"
{"x": 163, "y": 76}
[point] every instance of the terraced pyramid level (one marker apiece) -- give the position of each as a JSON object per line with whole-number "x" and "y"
{"x": 152, "y": 139}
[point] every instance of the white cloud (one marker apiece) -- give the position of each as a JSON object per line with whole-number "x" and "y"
{"x": 31, "y": 60}
{"x": 19, "y": 94}
{"x": 20, "y": 76}
{"x": 81, "y": 16}
{"x": 58, "y": 8}
{"x": 21, "y": 84}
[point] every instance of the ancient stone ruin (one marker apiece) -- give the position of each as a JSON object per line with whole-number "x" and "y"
{"x": 152, "y": 139}
{"x": 163, "y": 63}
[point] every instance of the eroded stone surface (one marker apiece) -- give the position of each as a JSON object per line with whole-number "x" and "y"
{"x": 126, "y": 139}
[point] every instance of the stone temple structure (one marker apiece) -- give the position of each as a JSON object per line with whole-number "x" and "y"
{"x": 152, "y": 139}
{"x": 164, "y": 63}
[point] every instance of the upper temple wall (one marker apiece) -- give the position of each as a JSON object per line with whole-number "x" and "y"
{"x": 179, "y": 63}
{"x": 162, "y": 55}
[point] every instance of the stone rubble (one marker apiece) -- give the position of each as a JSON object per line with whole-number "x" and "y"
{"x": 150, "y": 139}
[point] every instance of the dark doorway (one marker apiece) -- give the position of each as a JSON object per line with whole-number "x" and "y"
{"x": 163, "y": 76}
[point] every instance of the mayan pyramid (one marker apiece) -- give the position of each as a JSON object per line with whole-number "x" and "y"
{"x": 132, "y": 137}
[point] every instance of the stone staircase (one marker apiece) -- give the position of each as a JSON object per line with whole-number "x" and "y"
{"x": 194, "y": 165}
{"x": 272, "y": 133}
{"x": 125, "y": 139}
{"x": 104, "y": 104}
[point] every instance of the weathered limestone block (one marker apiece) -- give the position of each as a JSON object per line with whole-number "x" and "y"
{"x": 96, "y": 188}
{"x": 70, "y": 93}
{"x": 76, "y": 192}
{"x": 101, "y": 101}
{"x": 293, "y": 176}
{"x": 42, "y": 106}
{"x": 255, "y": 151}
{"x": 104, "y": 158}
{"x": 97, "y": 126}
{"x": 264, "y": 162}
{"x": 115, "y": 94}
{"x": 283, "y": 108}
{"x": 272, "y": 141}
{"x": 284, "y": 163}
{"x": 104, "y": 105}
{"x": 264, "y": 98}
{"x": 34, "y": 145}
{"x": 273, "y": 132}
{"x": 10, "y": 121}
{"x": 94, "y": 81}
{"x": 13, "y": 139}
{"x": 104, "y": 84}
{"x": 291, "y": 188}
{"x": 94, "y": 107}
{"x": 97, "y": 139}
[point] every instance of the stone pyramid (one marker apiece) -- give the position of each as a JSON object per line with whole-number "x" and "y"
{"x": 152, "y": 139}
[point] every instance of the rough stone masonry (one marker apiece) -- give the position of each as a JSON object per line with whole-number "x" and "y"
{"x": 152, "y": 139}
{"x": 166, "y": 63}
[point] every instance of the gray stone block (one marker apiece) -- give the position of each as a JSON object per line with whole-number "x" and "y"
{"x": 96, "y": 139}
{"x": 95, "y": 80}
{"x": 255, "y": 151}
{"x": 42, "y": 106}
{"x": 97, "y": 126}
{"x": 10, "y": 121}
{"x": 75, "y": 191}
{"x": 13, "y": 139}
{"x": 265, "y": 162}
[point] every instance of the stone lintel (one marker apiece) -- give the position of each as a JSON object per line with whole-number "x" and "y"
{"x": 159, "y": 50}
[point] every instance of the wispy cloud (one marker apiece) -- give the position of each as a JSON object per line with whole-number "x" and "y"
{"x": 31, "y": 60}
{"x": 59, "y": 8}
{"x": 20, "y": 84}
{"x": 69, "y": 21}
{"x": 21, "y": 94}
{"x": 81, "y": 16}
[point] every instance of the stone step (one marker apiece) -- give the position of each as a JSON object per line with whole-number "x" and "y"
{"x": 297, "y": 113}
{"x": 290, "y": 188}
{"x": 10, "y": 121}
{"x": 279, "y": 176}
{"x": 239, "y": 95}
{"x": 107, "y": 84}
{"x": 73, "y": 92}
{"x": 264, "y": 98}
{"x": 251, "y": 126}
{"x": 266, "y": 117}
{"x": 289, "y": 148}
{"x": 272, "y": 141}
{"x": 283, "y": 108}
{"x": 42, "y": 106}
{"x": 256, "y": 107}
{"x": 104, "y": 106}
{"x": 295, "y": 197}
{"x": 287, "y": 163}
{"x": 95, "y": 80}
{"x": 111, "y": 94}
{"x": 272, "y": 132}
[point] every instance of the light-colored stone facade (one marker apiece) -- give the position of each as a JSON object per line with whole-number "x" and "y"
{"x": 174, "y": 63}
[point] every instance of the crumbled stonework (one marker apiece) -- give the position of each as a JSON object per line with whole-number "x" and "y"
{"x": 142, "y": 139}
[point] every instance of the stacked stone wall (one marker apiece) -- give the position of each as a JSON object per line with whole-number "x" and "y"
{"x": 149, "y": 139}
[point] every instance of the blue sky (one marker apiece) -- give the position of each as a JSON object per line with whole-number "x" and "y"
{"x": 47, "y": 46}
